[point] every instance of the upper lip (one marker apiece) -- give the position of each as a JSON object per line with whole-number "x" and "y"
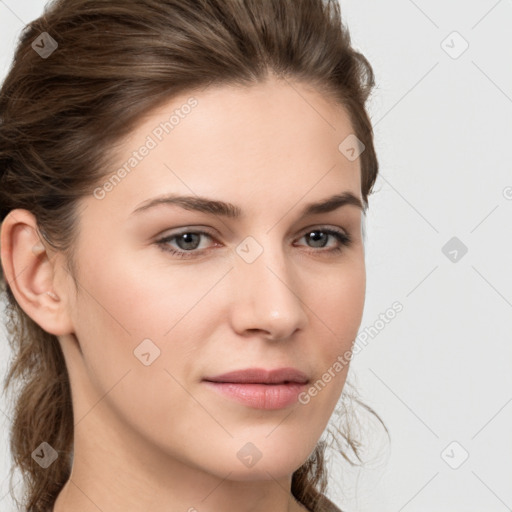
{"x": 262, "y": 376}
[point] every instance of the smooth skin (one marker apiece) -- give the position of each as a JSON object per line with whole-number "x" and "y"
{"x": 155, "y": 437}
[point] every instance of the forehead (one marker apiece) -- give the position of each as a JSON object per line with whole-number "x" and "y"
{"x": 267, "y": 141}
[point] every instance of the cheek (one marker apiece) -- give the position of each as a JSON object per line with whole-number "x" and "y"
{"x": 339, "y": 303}
{"x": 126, "y": 317}
{"x": 128, "y": 314}
{"x": 336, "y": 314}
{"x": 132, "y": 297}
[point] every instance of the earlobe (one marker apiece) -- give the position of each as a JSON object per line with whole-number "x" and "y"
{"x": 33, "y": 272}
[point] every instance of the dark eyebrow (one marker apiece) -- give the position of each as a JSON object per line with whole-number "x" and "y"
{"x": 205, "y": 205}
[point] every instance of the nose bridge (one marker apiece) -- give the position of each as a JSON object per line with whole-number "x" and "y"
{"x": 268, "y": 294}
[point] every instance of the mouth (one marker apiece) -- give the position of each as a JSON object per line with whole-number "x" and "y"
{"x": 259, "y": 388}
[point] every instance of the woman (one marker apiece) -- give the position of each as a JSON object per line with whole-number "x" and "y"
{"x": 184, "y": 185}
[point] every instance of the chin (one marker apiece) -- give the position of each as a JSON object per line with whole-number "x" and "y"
{"x": 250, "y": 463}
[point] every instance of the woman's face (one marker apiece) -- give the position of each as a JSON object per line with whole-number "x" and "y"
{"x": 264, "y": 289}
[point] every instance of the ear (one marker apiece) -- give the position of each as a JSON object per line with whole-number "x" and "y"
{"x": 35, "y": 273}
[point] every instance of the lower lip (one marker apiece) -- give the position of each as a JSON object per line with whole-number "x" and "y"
{"x": 260, "y": 396}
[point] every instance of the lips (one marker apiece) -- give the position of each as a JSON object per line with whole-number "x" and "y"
{"x": 259, "y": 388}
{"x": 261, "y": 376}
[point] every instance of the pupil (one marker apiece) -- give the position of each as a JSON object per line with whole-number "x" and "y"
{"x": 186, "y": 237}
{"x": 314, "y": 237}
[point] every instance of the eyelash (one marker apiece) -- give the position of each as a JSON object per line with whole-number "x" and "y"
{"x": 343, "y": 238}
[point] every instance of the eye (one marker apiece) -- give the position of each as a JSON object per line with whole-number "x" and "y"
{"x": 188, "y": 241}
{"x": 320, "y": 235}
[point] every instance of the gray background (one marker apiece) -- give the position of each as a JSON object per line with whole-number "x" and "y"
{"x": 439, "y": 373}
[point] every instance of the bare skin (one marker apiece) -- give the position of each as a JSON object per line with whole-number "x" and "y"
{"x": 155, "y": 437}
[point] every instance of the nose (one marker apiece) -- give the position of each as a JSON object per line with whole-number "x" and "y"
{"x": 267, "y": 297}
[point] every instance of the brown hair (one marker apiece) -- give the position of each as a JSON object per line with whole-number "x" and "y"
{"x": 61, "y": 115}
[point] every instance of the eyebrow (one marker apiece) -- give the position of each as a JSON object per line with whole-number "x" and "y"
{"x": 229, "y": 210}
